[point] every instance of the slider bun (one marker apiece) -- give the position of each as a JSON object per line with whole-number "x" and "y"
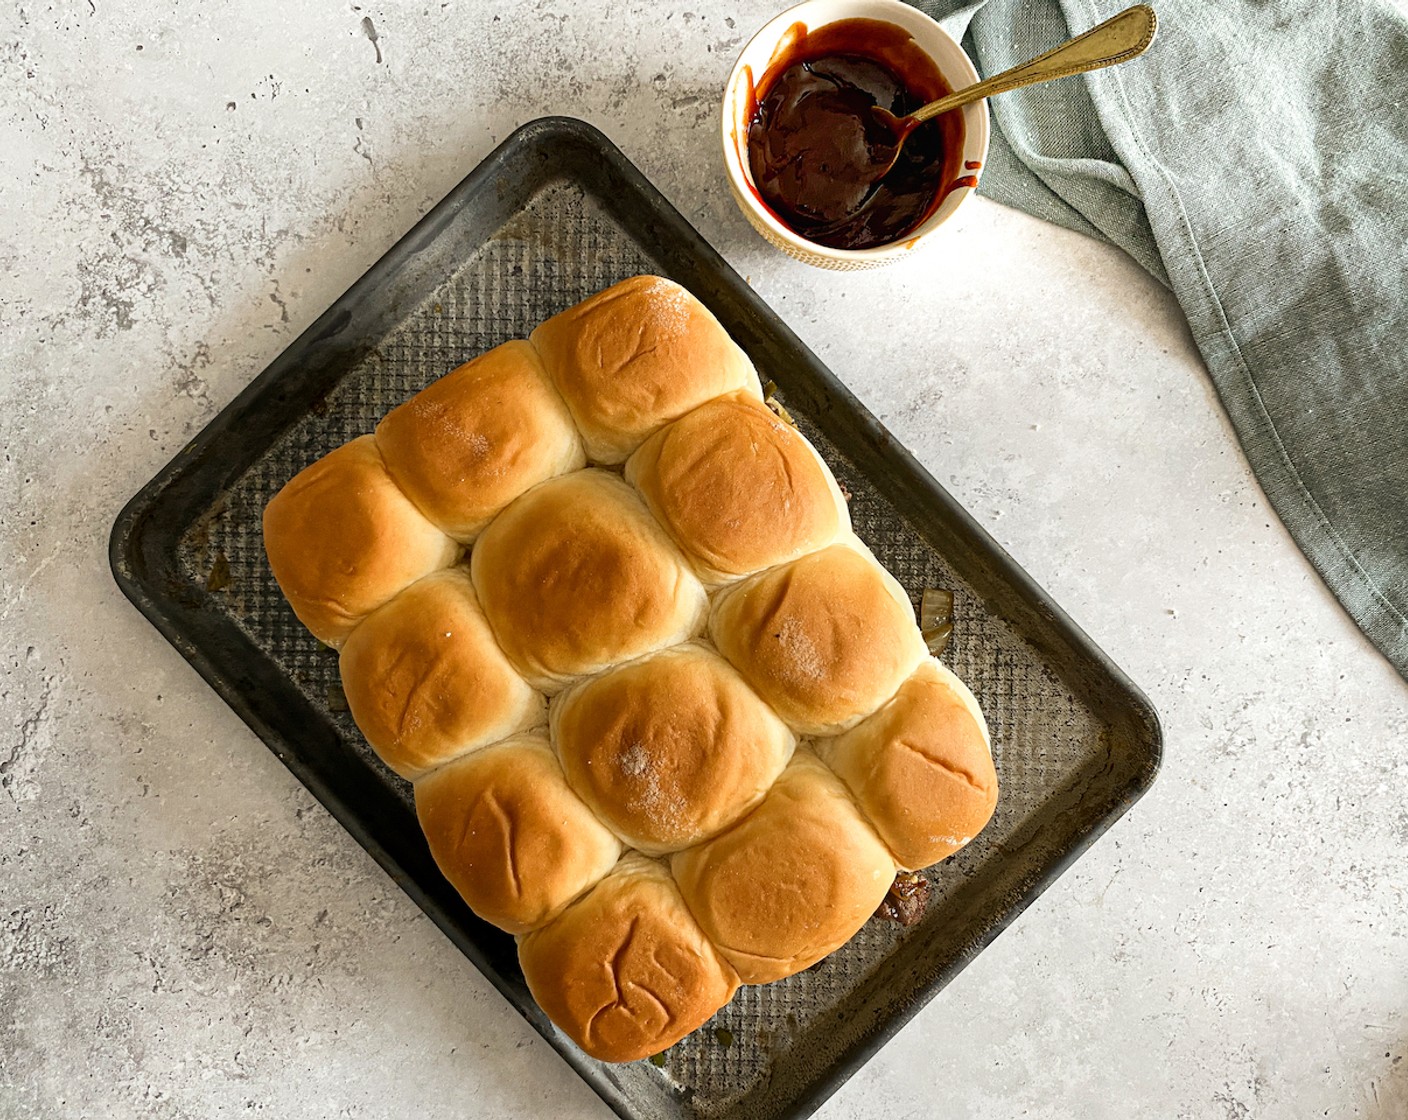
{"x": 469, "y": 443}
{"x": 576, "y": 575}
{"x": 825, "y": 639}
{"x": 791, "y": 882}
{"x": 510, "y": 836}
{"x": 670, "y": 749}
{"x": 738, "y": 489}
{"x": 634, "y": 357}
{"x": 342, "y": 539}
{"x": 626, "y": 972}
{"x": 426, "y": 681}
{"x": 921, "y": 768}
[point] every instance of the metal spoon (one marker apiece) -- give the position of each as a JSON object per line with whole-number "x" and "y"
{"x": 1118, "y": 39}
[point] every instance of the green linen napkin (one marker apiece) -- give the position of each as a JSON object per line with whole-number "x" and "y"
{"x": 1256, "y": 162}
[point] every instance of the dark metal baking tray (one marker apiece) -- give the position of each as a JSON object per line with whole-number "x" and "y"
{"x": 554, "y": 214}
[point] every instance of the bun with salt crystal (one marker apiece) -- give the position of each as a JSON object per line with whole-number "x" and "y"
{"x": 825, "y": 639}
{"x": 469, "y": 443}
{"x": 671, "y": 749}
{"x": 634, "y": 357}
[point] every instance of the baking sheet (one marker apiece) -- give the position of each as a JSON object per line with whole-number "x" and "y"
{"x": 553, "y": 215}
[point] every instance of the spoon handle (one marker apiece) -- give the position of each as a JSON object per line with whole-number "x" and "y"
{"x": 1118, "y": 39}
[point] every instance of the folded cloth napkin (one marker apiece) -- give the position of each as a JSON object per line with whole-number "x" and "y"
{"x": 1256, "y": 162}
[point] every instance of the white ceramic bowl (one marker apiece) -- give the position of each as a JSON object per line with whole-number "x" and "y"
{"x": 953, "y": 64}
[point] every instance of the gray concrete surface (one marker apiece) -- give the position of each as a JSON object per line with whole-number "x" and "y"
{"x": 185, "y": 933}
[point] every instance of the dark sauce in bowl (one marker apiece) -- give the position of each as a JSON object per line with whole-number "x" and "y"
{"x": 811, "y": 136}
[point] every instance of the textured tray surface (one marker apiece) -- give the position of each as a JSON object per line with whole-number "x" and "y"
{"x": 1065, "y": 764}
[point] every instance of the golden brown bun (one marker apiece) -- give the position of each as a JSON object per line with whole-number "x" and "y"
{"x": 342, "y": 539}
{"x": 671, "y": 749}
{"x": 738, "y": 489}
{"x": 791, "y": 882}
{"x": 509, "y": 834}
{"x": 634, "y": 357}
{"x": 626, "y": 972}
{"x": 468, "y": 444}
{"x": 426, "y": 681}
{"x": 920, "y": 768}
{"x": 576, "y": 575}
{"x": 825, "y": 639}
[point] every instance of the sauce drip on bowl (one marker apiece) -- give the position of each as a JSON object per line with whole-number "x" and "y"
{"x": 817, "y": 153}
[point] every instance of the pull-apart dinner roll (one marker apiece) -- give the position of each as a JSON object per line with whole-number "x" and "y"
{"x": 825, "y": 639}
{"x": 738, "y": 489}
{"x": 921, "y": 768}
{"x": 670, "y": 749}
{"x": 653, "y": 834}
{"x": 509, "y": 834}
{"x": 576, "y": 575}
{"x": 426, "y": 680}
{"x": 469, "y": 443}
{"x": 634, "y": 357}
{"x": 342, "y": 539}
{"x": 792, "y": 881}
{"x": 626, "y": 971}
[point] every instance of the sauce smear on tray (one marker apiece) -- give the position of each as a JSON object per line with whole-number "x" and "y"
{"x": 817, "y": 154}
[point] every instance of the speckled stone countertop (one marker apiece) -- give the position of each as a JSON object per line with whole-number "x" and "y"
{"x": 184, "y": 932}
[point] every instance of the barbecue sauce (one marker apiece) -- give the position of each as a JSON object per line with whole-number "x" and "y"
{"x": 815, "y": 150}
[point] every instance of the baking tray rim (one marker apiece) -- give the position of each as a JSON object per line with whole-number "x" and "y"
{"x": 164, "y": 609}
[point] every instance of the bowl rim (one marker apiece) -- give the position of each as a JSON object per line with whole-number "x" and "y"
{"x": 975, "y": 142}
